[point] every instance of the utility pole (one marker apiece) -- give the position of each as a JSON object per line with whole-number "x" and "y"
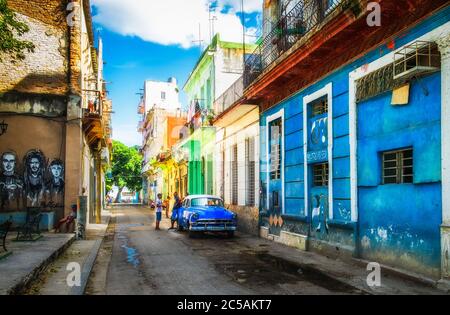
{"x": 243, "y": 36}
{"x": 199, "y": 41}
{"x": 211, "y": 23}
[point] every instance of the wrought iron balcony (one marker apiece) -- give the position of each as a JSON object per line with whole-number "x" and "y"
{"x": 291, "y": 27}
{"x": 230, "y": 96}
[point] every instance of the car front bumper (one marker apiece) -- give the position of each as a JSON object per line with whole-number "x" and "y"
{"x": 212, "y": 228}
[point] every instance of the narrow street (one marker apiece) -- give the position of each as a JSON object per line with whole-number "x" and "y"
{"x": 140, "y": 260}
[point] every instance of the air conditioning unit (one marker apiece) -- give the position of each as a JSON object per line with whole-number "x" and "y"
{"x": 416, "y": 59}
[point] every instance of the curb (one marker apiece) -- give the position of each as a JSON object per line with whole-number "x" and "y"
{"x": 24, "y": 283}
{"x": 88, "y": 264}
{"x": 406, "y": 275}
{"x": 327, "y": 274}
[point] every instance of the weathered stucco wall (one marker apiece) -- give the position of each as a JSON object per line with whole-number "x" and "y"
{"x": 399, "y": 224}
{"x": 248, "y": 218}
{"x": 46, "y": 70}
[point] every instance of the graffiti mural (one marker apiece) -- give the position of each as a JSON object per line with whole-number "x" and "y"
{"x": 318, "y": 143}
{"x": 34, "y": 177}
{"x": 11, "y": 184}
{"x": 319, "y": 215}
{"x": 40, "y": 186}
{"x": 54, "y": 187}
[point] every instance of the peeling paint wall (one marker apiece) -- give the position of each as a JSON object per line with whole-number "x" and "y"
{"x": 400, "y": 223}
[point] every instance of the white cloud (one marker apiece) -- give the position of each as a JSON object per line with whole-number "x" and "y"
{"x": 172, "y": 22}
{"x": 249, "y": 5}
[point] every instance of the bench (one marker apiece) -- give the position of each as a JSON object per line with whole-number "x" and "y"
{"x": 4, "y": 229}
{"x": 31, "y": 226}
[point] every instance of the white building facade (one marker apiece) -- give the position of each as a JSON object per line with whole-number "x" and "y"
{"x": 159, "y": 101}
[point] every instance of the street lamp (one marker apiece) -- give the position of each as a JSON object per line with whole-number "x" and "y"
{"x": 3, "y": 128}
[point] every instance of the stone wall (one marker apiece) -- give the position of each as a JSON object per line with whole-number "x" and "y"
{"x": 51, "y": 12}
{"x": 45, "y": 71}
{"x": 248, "y": 219}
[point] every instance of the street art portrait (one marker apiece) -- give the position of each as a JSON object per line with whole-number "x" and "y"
{"x": 34, "y": 165}
{"x": 11, "y": 184}
{"x": 319, "y": 215}
{"x": 54, "y": 186}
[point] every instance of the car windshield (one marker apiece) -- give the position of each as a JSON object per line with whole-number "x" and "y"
{"x": 206, "y": 202}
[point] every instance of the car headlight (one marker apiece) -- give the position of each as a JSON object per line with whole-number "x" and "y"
{"x": 234, "y": 216}
{"x": 195, "y": 216}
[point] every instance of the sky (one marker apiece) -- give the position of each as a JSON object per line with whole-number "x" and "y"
{"x": 155, "y": 40}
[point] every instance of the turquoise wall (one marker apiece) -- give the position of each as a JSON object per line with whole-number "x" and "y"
{"x": 417, "y": 123}
{"x": 401, "y": 223}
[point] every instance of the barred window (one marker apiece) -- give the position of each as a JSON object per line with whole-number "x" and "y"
{"x": 398, "y": 167}
{"x": 234, "y": 176}
{"x": 275, "y": 149}
{"x": 321, "y": 174}
{"x": 222, "y": 177}
{"x": 250, "y": 167}
{"x": 319, "y": 106}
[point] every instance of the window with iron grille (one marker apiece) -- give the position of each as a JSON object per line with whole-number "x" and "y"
{"x": 250, "y": 167}
{"x": 234, "y": 176}
{"x": 398, "y": 167}
{"x": 275, "y": 149}
{"x": 321, "y": 174}
{"x": 319, "y": 106}
{"x": 222, "y": 177}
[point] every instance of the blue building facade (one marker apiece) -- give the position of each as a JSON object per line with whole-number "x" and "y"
{"x": 349, "y": 172}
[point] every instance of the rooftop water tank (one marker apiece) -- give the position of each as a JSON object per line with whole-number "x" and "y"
{"x": 172, "y": 80}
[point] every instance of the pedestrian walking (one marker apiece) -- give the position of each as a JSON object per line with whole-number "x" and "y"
{"x": 159, "y": 208}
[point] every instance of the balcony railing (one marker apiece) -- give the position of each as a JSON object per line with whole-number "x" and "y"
{"x": 231, "y": 96}
{"x": 290, "y": 28}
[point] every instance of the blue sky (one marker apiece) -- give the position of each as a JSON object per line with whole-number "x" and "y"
{"x": 129, "y": 62}
{"x": 149, "y": 40}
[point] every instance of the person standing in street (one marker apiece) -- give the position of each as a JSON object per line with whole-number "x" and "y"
{"x": 159, "y": 208}
{"x": 166, "y": 206}
{"x": 176, "y": 206}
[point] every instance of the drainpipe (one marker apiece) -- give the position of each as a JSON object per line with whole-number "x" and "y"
{"x": 98, "y": 200}
{"x": 444, "y": 48}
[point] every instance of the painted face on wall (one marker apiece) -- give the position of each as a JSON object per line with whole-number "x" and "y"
{"x": 9, "y": 164}
{"x": 35, "y": 165}
{"x": 56, "y": 170}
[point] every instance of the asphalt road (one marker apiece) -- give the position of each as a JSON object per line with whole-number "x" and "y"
{"x": 135, "y": 259}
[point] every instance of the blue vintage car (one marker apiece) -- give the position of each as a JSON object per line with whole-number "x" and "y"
{"x": 203, "y": 213}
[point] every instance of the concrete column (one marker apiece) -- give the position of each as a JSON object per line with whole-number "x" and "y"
{"x": 98, "y": 184}
{"x": 73, "y": 154}
{"x": 74, "y": 142}
{"x": 444, "y": 48}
